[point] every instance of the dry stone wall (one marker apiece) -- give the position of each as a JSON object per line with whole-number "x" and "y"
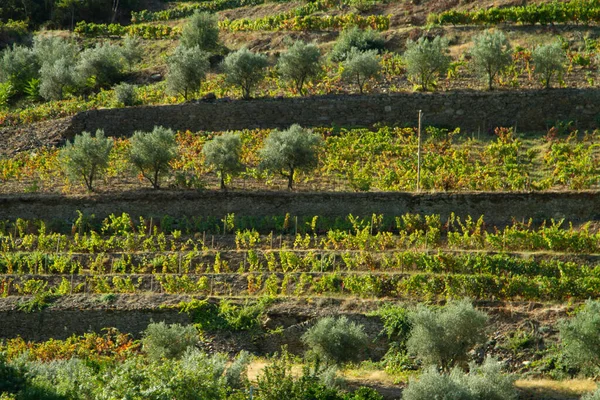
{"x": 533, "y": 110}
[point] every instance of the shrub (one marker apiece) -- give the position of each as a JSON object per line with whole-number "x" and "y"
{"x": 223, "y": 152}
{"x": 162, "y": 341}
{"x": 18, "y": 65}
{"x": 580, "y": 338}
{"x": 337, "y": 340}
{"x": 201, "y": 31}
{"x": 300, "y": 63}
{"x": 548, "y": 60}
{"x": 6, "y": 92}
{"x": 49, "y": 49}
{"x": 125, "y": 94}
{"x": 355, "y": 37}
{"x": 57, "y": 78}
{"x": 360, "y": 66}
{"x": 426, "y": 60}
{"x": 592, "y": 396}
{"x": 293, "y": 149}
{"x": 484, "y": 382}
{"x": 131, "y": 51}
{"x": 151, "y": 153}
{"x": 87, "y": 157}
{"x": 491, "y": 54}
{"x": 443, "y": 337}
{"x": 187, "y": 69}
{"x": 100, "y": 66}
{"x": 244, "y": 69}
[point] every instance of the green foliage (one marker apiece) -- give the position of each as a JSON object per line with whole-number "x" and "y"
{"x": 580, "y": 338}
{"x": 187, "y": 69}
{"x": 548, "y": 60}
{"x": 337, "y": 340}
{"x": 244, "y": 69}
{"x": 201, "y": 31}
{"x": 125, "y": 94}
{"x": 293, "y": 149}
{"x": 162, "y": 341}
{"x": 592, "y": 396}
{"x": 444, "y": 336}
{"x": 355, "y": 37}
{"x": 18, "y": 64}
{"x": 57, "y": 78}
{"x": 223, "y": 152}
{"x": 491, "y": 54}
{"x": 426, "y": 59}
{"x": 226, "y": 315}
{"x": 131, "y": 51}
{"x": 100, "y": 66}
{"x": 13, "y": 377}
{"x": 396, "y": 325}
{"x": 485, "y": 382}
{"x": 300, "y": 63}
{"x": 49, "y": 49}
{"x": 87, "y": 157}
{"x": 360, "y": 66}
{"x": 151, "y": 153}
{"x": 6, "y": 92}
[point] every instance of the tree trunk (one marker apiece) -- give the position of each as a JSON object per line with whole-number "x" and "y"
{"x": 291, "y": 179}
{"x": 222, "y": 181}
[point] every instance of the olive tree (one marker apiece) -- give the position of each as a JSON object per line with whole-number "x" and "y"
{"x": 491, "y": 54}
{"x": 355, "y": 37}
{"x": 56, "y": 78}
{"x": 548, "y": 60}
{"x": 131, "y": 51}
{"x": 360, "y": 66}
{"x": 18, "y": 64}
{"x": 223, "y": 152}
{"x": 290, "y": 150}
{"x": 337, "y": 340}
{"x": 244, "y": 69}
{"x": 100, "y": 66}
{"x": 426, "y": 60}
{"x": 580, "y": 338}
{"x": 202, "y": 30}
{"x": 299, "y": 63}
{"x": 86, "y": 157}
{"x": 187, "y": 68}
{"x": 443, "y": 337}
{"x": 151, "y": 153}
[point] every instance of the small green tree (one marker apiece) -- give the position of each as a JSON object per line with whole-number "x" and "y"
{"x": 100, "y": 66}
{"x": 87, "y": 157}
{"x": 49, "y": 49}
{"x": 337, "y": 340}
{"x": 426, "y": 60}
{"x": 201, "y": 31}
{"x": 491, "y": 54}
{"x": 56, "y": 78}
{"x": 131, "y": 51}
{"x": 162, "y": 341}
{"x": 360, "y": 66}
{"x": 187, "y": 68}
{"x": 151, "y": 153}
{"x": 580, "y": 338}
{"x": 301, "y": 62}
{"x": 223, "y": 152}
{"x": 355, "y": 37}
{"x": 18, "y": 65}
{"x": 244, "y": 69}
{"x": 548, "y": 60}
{"x": 293, "y": 149}
{"x": 125, "y": 94}
{"x": 443, "y": 337}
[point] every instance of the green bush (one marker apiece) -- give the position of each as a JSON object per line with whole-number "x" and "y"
{"x": 355, "y": 37}
{"x": 337, "y": 340}
{"x": 201, "y": 31}
{"x": 245, "y": 70}
{"x": 125, "y": 94}
{"x": 18, "y": 64}
{"x": 425, "y": 60}
{"x": 491, "y": 54}
{"x": 592, "y": 396}
{"x": 293, "y": 149}
{"x": 100, "y": 66}
{"x": 300, "y": 63}
{"x": 223, "y": 152}
{"x": 151, "y": 153}
{"x": 444, "y": 336}
{"x": 485, "y": 382}
{"x": 580, "y": 338}
{"x": 548, "y": 60}
{"x": 360, "y": 66}
{"x": 87, "y": 157}
{"x": 162, "y": 341}
{"x": 56, "y": 79}
{"x": 131, "y": 51}
{"x": 187, "y": 68}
